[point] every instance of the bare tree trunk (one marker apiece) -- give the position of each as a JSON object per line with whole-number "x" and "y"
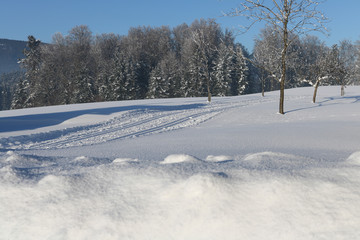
{"x": 283, "y": 59}
{"x": 282, "y": 90}
{"x": 209, "y": 94}
{"x": 315, "y": 90}
{"x": 208, "y": 85}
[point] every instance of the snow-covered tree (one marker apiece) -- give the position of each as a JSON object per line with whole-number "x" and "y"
{"x": 224, "y": 71}
{"x": 82, "y": 74}
{"x": 29, "y": 88}
{"x": 206, "y": 36}
{"x": 192, "y": 80}
{"x": 357, "y": 63}
{"x": 348, "y": 57}
{"x": 105, "y": 52}
{"x": 337, "y": 71}
{"x": 240, "y": 72}
{"x": 165, "y": 78}
{"x": 316, "y": 62}
{"x": 267, "y": 58}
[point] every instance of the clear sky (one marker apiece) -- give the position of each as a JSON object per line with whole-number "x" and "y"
{"x": 43, "y": 18}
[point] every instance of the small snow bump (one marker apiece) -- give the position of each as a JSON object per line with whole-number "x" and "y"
{"x": 354, "y": 159}
{"x": 220, "y": 158}
{"x": 10, "y": 152}
{"x": 81, "y": 158}
{"x": 276, "y": 161}
{"x": 179, "y": 158}
{"x": 124, "y": 160}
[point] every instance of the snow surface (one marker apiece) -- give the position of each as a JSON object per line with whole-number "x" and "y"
{"x": 184, "y": 169}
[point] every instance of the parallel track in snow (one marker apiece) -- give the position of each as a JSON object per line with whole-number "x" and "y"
{"x": 117, "y": 129}
{"x": 128, "y": 124}
{"x": 132, "y": 124}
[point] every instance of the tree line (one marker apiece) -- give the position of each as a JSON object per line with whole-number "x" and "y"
{"x": 187, "y": 61}
{"x": 158, "y": 62}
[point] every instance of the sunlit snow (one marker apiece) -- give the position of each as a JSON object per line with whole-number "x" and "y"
{"x": 184, "y": 169}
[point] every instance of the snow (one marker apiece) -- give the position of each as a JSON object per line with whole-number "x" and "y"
{"x": 184, "y": 169}
{"x": 178, "y": 158}
{"x": 354, "y": 159}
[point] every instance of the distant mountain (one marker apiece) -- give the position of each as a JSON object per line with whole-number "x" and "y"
{"x": 10, "y": 52}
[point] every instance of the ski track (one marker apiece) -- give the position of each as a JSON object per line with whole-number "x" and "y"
{"x": 134, "y": 123}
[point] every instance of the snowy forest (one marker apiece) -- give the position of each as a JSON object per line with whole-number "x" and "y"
{"x": 194, "y": 60}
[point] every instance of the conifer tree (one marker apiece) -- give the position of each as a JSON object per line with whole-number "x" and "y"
{"x": 223, "y": 71}
{"x": 28, "y": 88}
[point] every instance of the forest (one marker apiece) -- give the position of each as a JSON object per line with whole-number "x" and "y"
{"x": 200, "y": 59}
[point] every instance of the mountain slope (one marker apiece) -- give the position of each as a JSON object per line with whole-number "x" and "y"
{"x": 10, "y": 53}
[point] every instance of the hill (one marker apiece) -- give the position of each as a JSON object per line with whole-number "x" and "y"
{"x": 10, "y": 52}
{"x": 184, "y": 169}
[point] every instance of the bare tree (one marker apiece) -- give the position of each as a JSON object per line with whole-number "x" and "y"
{"x": 289, "y": 18}
{"x": 266, "y": 57}
{"x": 313, "y": 69}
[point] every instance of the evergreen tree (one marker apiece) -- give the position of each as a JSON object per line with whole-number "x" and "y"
{"x": 21, "y": 94}
{"x": 240, "y": 72}
{"x": 165, "y": 78}
{"x": 82, "y": 74}
{"x": 106, "y": 51}
{"x": 29, "y": 88}
{"x": 224, "y": 71}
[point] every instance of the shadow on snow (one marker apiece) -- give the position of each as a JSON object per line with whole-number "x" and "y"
{"x": 34, "y": 121}
{"x": 327, "y": 102}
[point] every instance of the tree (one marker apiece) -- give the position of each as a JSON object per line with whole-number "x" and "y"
{"x": 8, "y": 84}
{"x": 82, "y": 72}
{"x": 29, "y": 87}
{"x": 289, "y": 18}
{"x": 357, "y": 63}
{"x": 267, "y": 57}
{"x": 315, "y": 66}
{"x": 165, "y": 78}
{"x": 223, "y": 71}
{"x": 206, "y": 36}
{"x": 241, "y": 72}
{"x": 105, "y": 51}
{"x": 146, "y": 47}
{"x": 336, "y": 67}
{"x": 348, "y": 56}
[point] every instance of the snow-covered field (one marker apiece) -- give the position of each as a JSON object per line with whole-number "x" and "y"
{"x": 184, "y": 169}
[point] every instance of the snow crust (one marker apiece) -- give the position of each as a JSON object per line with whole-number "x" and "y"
{"x": 243, "y": 172}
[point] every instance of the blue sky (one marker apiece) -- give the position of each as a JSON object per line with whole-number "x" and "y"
{"x": 43, "y": 18}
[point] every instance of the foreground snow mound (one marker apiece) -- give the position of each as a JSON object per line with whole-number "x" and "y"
{"x": 276, "y": 161}
{"x": 86, "y": 198}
